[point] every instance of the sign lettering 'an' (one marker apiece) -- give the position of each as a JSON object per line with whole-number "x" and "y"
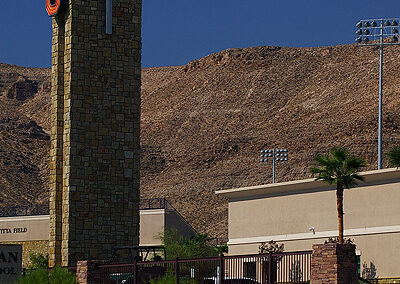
{"x": 54, "y": 6}
{"x": 10, "y": 263}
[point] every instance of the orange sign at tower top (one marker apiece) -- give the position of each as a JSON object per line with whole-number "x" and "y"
{"x": 54, "y": 6}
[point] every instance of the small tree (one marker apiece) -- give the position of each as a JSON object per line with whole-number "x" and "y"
{"x": 394, "y": 157}
{"x": 220, "y": 249}
{"x": 340, "y": 168}
{"x": 195, "y": 247}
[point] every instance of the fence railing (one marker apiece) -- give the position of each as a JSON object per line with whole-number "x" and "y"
{"x": 289, "y": 267}
{"x": 43, "y": 209}
{"x": 155, "y": 203}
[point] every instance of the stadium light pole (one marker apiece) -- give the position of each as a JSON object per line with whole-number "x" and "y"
{"x": 274, "y": 156}
{"x": 378, "y": 29}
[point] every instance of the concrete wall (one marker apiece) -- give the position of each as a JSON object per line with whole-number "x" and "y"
{"x": 285, "y": 212}
{"x": 153, "y": 222}
{"x": 33, "y": 231}
{"x": 174, "y": 221}
{"x": 26, "y": 228}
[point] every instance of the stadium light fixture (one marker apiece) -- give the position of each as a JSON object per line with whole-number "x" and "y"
{"x": 274, "y": 156}
{"x": 373, "y": 33}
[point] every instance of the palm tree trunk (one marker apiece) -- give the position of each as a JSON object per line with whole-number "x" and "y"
{"x": 339, "y": 203}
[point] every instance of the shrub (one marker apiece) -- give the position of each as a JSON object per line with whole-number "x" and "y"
{"x": 39, "y": 275}
{"x": 38, "y": 260}
{"x": 196, "y": 247}
{"x": 394, "y": 157}
{"x": 57, "y": 275}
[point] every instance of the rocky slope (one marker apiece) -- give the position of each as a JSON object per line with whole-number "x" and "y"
{"x": 24, "y": 145}
{"x": 203, "y": 124}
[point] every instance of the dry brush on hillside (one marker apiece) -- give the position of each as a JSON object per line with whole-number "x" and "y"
{"x": 203, "y": 124}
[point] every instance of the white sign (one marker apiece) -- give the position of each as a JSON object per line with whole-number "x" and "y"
{"x": 10, "y": 263}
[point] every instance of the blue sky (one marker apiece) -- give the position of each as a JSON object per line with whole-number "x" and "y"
{"x": 177, "y": 31}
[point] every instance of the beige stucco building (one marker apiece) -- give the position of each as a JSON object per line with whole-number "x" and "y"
{"x": 33, "y": 231}
{"x": 303, "y": 212}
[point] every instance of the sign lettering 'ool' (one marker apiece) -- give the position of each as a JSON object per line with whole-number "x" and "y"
{"x": 54, "y": 6}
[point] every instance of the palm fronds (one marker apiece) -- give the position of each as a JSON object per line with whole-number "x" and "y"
{"x": 394, "y": 157}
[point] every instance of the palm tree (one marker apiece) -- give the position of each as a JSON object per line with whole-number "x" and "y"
{"x": 340, "y": 168}
{"x": 394, "y": 157}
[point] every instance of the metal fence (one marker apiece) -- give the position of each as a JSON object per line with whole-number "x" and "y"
{"x": 289, "y": 267}
{"x": 43, "y": 209}
{"x": 155, "y": 203}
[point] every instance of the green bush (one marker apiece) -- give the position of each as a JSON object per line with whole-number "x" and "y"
{"x": 38, "y": 260}
{"x": 195, "y": 247}
{"x": 57, "y": 275}
{"x": 39, "y": 275}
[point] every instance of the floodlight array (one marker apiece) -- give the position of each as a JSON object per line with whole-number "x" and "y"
{"x": 280, "y": 155}
{"x": 370, "y": 30}
{"x": 274, "y": 156}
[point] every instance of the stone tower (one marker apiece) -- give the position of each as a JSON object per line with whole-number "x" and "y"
{"x": 95, "y": 112}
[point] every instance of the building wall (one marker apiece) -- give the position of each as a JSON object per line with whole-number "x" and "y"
{"x": 365, "y": 206}
{"x": 95, "y": 133}
{"x": 371, "y": 219}
{"x": 26, "y": 228}
{"x": 174, "y": 221}
{"x": 32, "y": 232}
{"x": 153, "y": 223}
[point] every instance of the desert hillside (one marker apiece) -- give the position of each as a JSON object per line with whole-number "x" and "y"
{"x": 203, "y": 124}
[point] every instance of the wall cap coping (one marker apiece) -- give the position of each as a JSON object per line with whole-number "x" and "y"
{"x": 153, "y": 211}
{"x": 304, "y": 185}
{"x": 25, "y": 218}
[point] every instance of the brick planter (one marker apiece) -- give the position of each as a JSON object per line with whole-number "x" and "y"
{"x": 334, "y": 263}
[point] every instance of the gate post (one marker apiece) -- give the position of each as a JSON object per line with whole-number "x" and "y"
{"x": 221, "y": 269}
{"x": 87, "y": 272}
{"x": 177, "y": 270}
{"x": 135, "y": 272}
{"x": 270, "y": 267}
{"x": 334, "y": 263}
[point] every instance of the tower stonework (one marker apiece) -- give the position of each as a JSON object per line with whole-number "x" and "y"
{"x": 95, "y": 113}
